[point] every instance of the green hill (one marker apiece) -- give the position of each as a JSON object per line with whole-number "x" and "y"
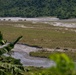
{"x": 62, "y": 9}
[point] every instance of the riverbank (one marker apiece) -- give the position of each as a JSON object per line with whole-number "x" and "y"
{"x": 46, "y": 54}
{"x": 69, "y": 23}
{"x": 38, "y": 19}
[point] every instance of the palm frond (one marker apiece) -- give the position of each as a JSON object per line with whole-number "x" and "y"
{"x": 8, "y": 47}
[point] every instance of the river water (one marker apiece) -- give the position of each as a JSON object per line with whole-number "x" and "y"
{"x": 22, "y": 52}
{"x": 27, "y": 60}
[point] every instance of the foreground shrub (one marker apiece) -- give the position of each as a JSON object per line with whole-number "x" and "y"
{"x": 9, "y": 65}
{"x": 63, "y": 66}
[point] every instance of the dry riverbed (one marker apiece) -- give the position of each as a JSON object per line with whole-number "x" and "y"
{"x": 70, "y": 23}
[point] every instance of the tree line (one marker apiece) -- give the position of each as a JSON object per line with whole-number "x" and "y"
{"x": 62, "y": 9}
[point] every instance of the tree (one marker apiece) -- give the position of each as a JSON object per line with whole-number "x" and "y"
{"x": 62, "y": 9}
{"x": 9, "y": 65}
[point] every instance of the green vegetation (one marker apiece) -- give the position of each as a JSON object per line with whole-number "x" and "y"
{"x": 42, "y": 54}
{"x": 9, "y": 65}
{"x": 62, "y": 9}
{"x": 64, "y": 66}
{"x": 32, "y": 70}
{"x": 46, "y": 54}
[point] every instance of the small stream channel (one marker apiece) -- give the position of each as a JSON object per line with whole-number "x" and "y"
{"x": 22, "y": 52}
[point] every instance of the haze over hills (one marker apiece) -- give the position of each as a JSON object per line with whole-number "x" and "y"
{"x": 62, "y": 9}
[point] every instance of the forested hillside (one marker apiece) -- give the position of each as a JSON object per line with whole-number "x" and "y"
{"x": 62, "y": 9}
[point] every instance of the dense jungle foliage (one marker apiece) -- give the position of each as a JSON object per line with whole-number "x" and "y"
{"x": 62, "y": 9}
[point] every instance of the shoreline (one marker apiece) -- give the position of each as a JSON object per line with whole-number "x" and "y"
{"x": 68, "y": 23}
{"x": 38, "y": 19}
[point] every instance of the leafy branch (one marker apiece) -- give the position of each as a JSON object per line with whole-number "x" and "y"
{"x": 5, "y": 67}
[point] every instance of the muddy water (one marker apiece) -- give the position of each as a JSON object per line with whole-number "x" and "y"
{"x": 22, "y": 52}
{"x": 26, "y": 60}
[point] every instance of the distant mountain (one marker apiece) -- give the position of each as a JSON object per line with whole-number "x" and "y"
{"x": 62, "y": 9}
